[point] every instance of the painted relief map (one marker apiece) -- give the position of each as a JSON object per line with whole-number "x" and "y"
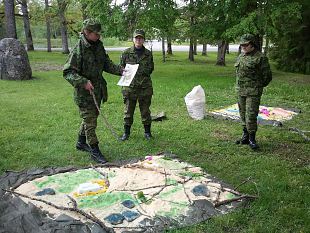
{"x": 155, "y": 193}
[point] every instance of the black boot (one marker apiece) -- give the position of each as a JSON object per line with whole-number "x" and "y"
{"x": 147, "y": 132}
{"x": 82, "y": 145}
{"x": 126, "y": 133}
{"x": 244, "y": 138}
{"x": 252, "y": 141}
{"x": 97, "y": 155}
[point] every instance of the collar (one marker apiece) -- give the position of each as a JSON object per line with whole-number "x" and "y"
{"x": 88, "y": 43}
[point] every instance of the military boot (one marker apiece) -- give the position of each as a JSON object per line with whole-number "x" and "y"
{"x": 97, "y": 155}
{"x": 252, "y": 141}
{"x": 147, "y": 132}
{"x": 244, "y": 138}
{"x": 82, "y": 145}
{"x": 126, "y": 133}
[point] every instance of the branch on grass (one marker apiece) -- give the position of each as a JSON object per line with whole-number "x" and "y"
{"x": 301, "y": 133}
{"x": 73, "y": 209}
{"x": 219, "y": 203}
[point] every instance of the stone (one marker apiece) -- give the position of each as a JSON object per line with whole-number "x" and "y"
{"x": 115, "y": 219}
{"x": 14, "y": 62}
{"x": 147, "y": 222}
{"x": 130, "y": 215}
{"x": 201, "y": 190}
{"x": 128, "y": 203}
{"x": 47, "y": 191}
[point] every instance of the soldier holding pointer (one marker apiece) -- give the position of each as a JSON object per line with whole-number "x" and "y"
{"x": 83, "y": 70}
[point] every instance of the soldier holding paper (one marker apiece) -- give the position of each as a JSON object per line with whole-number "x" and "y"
{"x": 140, "y": 89}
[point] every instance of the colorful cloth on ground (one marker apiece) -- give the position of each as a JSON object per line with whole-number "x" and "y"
{"x": 273, "y": 114}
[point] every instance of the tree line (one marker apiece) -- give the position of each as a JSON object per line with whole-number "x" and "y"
{"x": 281, "y": 27}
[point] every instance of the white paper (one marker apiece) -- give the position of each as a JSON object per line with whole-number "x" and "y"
{"x": 128, "y": 75}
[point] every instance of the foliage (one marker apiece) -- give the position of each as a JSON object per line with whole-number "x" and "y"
{"x": 160, "y": 15}
{"x": 291, "y": 49}
{"x": 40, "y": 123}
{"x": 282, "y": 24}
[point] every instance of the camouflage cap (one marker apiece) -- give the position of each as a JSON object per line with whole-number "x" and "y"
{"x": 92, "y": 25}
{"x": 139, "y": 32}
{"x": 247, "y": 38}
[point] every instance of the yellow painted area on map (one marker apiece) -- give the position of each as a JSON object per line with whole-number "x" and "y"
{"x": 102, "y": 183}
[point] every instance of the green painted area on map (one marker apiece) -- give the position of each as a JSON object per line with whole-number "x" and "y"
{"x": 68, "y": 182}
{"x": 170, "y": 192}
{"x": 191, "y": 174}
{"x": 171, "y": 181}
{"x": 171, "y": 164}
{"x": 175, "y": 209}
{"x": 105, "y": 200}
{"x": 230, "y": 196}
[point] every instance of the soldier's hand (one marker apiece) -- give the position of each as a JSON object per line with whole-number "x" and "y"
{"x": 124, "y": 71}
{"x": 89, "y": 86}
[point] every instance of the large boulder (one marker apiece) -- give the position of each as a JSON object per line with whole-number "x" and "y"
{"x": 14, "y": 62}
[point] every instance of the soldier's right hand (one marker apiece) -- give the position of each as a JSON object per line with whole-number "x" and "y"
{"x": 89, "y": 86}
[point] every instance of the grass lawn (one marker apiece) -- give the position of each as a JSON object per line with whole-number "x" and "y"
{"x": 39, "y": 126}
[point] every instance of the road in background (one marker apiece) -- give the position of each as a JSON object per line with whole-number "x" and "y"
{"x": 156, "y": 46}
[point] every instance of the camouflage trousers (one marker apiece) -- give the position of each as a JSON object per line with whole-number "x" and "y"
{"x": 248, "y": 109}
{"x": 89, "y": 124}
{"x": 144, "y": 98}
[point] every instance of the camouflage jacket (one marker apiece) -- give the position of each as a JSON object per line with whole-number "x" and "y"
{"x": 142, "y": 78}
{"x": 253, "y": 73}
{"x": 87, "y": 62}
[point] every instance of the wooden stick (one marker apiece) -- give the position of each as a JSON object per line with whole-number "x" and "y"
{"x": 301, "y": 133}
{"x": 219, "y": 203}
{"x": 74, "y": 209}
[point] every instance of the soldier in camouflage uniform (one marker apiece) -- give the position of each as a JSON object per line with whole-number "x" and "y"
{"x": 83, "y": 70}
{"x": 253, "y": 74}
{"x": 140, "y": 89}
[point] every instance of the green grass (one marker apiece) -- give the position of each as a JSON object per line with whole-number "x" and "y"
{"x": 39, "y": 125}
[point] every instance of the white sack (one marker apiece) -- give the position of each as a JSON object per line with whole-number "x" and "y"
{"x": 195, "y": 103}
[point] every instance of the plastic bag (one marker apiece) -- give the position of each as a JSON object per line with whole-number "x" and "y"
{"x": 195, "y": 103}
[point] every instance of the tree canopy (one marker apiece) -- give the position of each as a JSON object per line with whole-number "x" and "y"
{"x": 281, "y": 27}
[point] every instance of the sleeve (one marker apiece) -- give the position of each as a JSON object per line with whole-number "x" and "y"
{"x": 266, "y": 71}
{"x": 110, "y": 67}
{"x": 71, "y": 69}
{"x": 150, "y": 66}
{"x": 123, "y": 59}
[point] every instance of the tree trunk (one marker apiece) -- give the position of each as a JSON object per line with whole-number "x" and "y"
{"x": 28, "y": 35}
{"x": 169, "y": 46}
{"x": 258, "y": 42}
{"x": 204, "y": 49}
{"x": 163, "y": 48}
{"x": 221, "y": 52}
{"x": 62, "y": 4}
{"x": 2, "y": 30}
{"x": 266, "y": 49}
{"x": 10, "y": 19}
{"x": 227, "y": 49}
{"x": 48, "y": 27}
{"x": 191, "y": 50}
{"x": 195, "y": 47}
